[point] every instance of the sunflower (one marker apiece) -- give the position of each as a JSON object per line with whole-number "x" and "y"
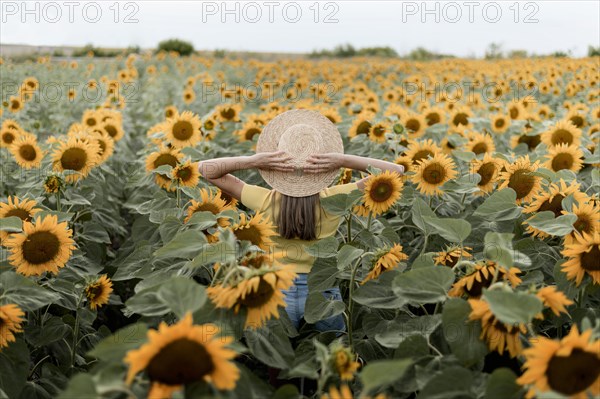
{"x": 11, "y": 317}
{"x": 113, "y": 128}
{"x": 181, "y": 354}
{"x": 553, "y": 299}
{"x": 11, "y": 124}
{"x": 183, "y": 129}
{"x": 53, "y": 184}
{"x": 432, "y": 173}
{"x": 577, "y": 118}
{"x": 360, "y": 125}
{"x": 460, "y": 118}
{"x": 229, "y": 200}
{"x": 8, "y": 136}
{"x": 415, "y": 125}
{"x": 480, "y": 276}
{"x": 189, "y": 96}
{"x": 228, "y": 112}
{"x": 518, "y": 176}
{"x": 382, "y": 191}
{"x": 26, "y": 152}
{"x": 516, "y": 110}
{"x": 451, "y": 255}
{"x": 164, "y": 156}
{"x": 15, "y": 104}
{"x": 344, "y": 177}
{"x": 563, "y": 132}
{"x": 186, "y": 174}
{"x": 480, "y": 144}
{"x": 489, "y": 169}
{"x": 258, "y": 230}
{"x": 259, "y": 292}
{"x": 434, "y": 115}
{"x": 499, "y": 123}
{"x": 407, "y": 163}
{"x": 22, "y": 208}
{"x": 342, "y": 362}
{"x": 420, "y": 150}
{"x": 378, "y": 130}
{"x": 551, "y": 199}
{"x": 91, "y": 118}
{"x": 248, "y": 131}
{"x": 583, "y": 255}
{"x": 105, "y": 143}
{"x": 531, "y": 141}
{"x": 588, "y": 221}
{"x": 564, "y": 156}
{"x": 209, "y": 202}
{"x": 98, "y": 292}
{"x": 498, "y": 336}
{"x": 75, "y": 155}
{"x": 170, "y": 111}
{"x": 43, "y": 246}
{"x": 384, "y": 260}
{"x": 570, "y": 366}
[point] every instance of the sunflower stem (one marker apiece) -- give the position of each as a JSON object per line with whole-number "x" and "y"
{"x": 178, "y": 196}
{"x": 351, "y": 302}
{"x": 76, "y": 331}
{"x": 581, "y": 297}
{"x": 349, "y": 222}
{"x": 369, "y": 219}
{"x": 425, "y": 242}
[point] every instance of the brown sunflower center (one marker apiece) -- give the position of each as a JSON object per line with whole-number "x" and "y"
{"x": 208, "y": 207}
{"x": 477, "y": 288}
{"x": 379, "y": 131}
{"x": 433, "y": 118}
{"x": 111, "y": 130}
{"x": 589, "y": 260}
{"x": 577, "y": 121}
{"x": 381, "y": 191}
{"x": 184, "y": 174}
{"x": 74, "y": 158}
{"x": 514, "y": 112}
{"x": 413, "y": 125}
{"x": 460, "y": 119}
{"x": 93, "y": 291}
{"x": 583, "y": 224}
{"x": 183, "y": 130}
{"x": 480, "y": 148}
{"x": 522, "y": 183}
{"x": 261, "y": 296}
{"x": 40, "y": 247}
{"x": 228, "y": 113}
{"x": 499, "y": 123}
{"x": 573, "y": 374}
{"x": 91, "y": 121}
{"x": 486, "y": 171}
{"x": 531, "y": 141}
{"x": 562, "y": 161}
{"x": 15, "y": 104}
{"x": 209, "y": 125}
{"x": 434, "y": 174}
{"x": 363, "y": 127}
{"x": 561, "y": 136}
{"x": 180, "y": 362}
{"x": 27, "y": 152}
{"x": 555, "y": 205}
{"x": 250, "y": 233}
{"x": 8, "y": 137}
{"x": 165, "y": 159}
{"x": 423, "y": 154}
{"x": 251, "y": 133}
{"x": 20, "y": 213}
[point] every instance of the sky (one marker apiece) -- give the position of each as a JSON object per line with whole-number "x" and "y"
{"x": 462, "y": 28}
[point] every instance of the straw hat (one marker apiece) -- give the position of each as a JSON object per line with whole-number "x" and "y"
{"x": 300, "y": 133}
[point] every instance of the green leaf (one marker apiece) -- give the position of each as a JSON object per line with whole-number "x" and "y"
{"x": 423, "y": 260}
{"x": 14, "y": 367}
{"x": 453, "y": 230}
{"x": 379, "y": 293}
{"x": 11, "y": 224}
{"x": 546, "y": 222}
{"x": 502, "y": 384}
{"x": 420, "y": 210}
{"x": 383, "y": 373}
{"x": 146, "y": 303}
{"x": 498, "y": 248}
{"x": 397, "y": 332}
{"x": 220, "y": 252}
{"x": 325, "y": 248}
{"x": 462, "y": 336}
{"x": 182, "y": 295}
{"x": 114, "y": 347}
{"x": 94, "y": 232}
{"x": 318, "y": 307}
{"x": 499, "y": 206}
{"x": 185, "y": 245}
{"x": 513, "y": 307}
{"x": 202, "y": 220}
{"x": 323, "y": 274}
{"x": 453, "y": 382}
{"x": 347, "y": 255}
{"x": 81, "y": 386}
{"x": 24, "y": 292}
{"x": 270, "y": 345}
{"x": 424, "y": 285}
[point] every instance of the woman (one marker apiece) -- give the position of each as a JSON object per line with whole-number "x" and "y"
{"x": 293, "y": 170}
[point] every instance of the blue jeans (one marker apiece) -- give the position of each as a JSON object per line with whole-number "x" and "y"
{"x": 295, "y": 299}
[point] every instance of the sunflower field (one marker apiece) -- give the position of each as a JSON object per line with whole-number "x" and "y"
{"x": 125, "y": 274}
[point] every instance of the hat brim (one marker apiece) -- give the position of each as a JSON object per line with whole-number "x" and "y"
{"x": 299, "y": 184}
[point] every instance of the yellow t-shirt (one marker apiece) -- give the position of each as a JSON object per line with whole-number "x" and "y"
{"x": 261, "y": 200}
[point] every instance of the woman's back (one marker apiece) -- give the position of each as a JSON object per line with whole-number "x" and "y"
{"x": 268, "y": 202}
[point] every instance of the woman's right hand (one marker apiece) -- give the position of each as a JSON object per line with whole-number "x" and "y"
{"x": 318, "y": 163}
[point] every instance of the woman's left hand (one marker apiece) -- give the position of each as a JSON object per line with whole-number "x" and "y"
{"x": 278, "y": 160}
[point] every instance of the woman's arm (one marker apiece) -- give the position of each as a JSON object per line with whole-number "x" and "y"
{"x": 217, "y": 170}
{"x": 330, "y": 161}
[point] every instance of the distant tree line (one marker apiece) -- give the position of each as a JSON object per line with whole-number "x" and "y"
{"x": 348, "y": 50}
{"x": 100, "y": 52}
